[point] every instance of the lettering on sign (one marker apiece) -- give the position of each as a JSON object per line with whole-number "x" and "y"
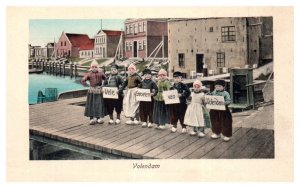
{"x": 110, "y": 92}
{"x": 215, "y": 102}
{"x": 143, "y": 95}
{"x": 171, "y": 97}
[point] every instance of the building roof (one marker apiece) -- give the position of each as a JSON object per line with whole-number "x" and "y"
{"x": 132, "y": 20}
{"x": 81, "y": 40}
{"x": 111, "y": 32}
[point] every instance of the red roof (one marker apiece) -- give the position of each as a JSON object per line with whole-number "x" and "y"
{"x": 111, "y": 32}
{"x": 80, "y": 40}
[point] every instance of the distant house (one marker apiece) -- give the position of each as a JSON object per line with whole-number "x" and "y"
{"x": 142, "y": 36}
{"x": 218, "y": 43}
{"x": 69, "y": 44}
{"x": 106, "y": 43}
{"x": 87, "y": 52}
{"x": 50, "y": 49}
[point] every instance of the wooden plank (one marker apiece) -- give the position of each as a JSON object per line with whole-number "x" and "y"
{"x": 234, "y": 151}
{"x": 126, "y": 139}
{"x": 192, "y": 147}
{"x": 59, "y": 135}
{"x": 141, "y": 152}
{"x": 267, "y": 149}
{"x": 49, "y": 131}
{"x": 153, "y": 154}
{"x": 129, "y": 152}
{"x": 178, "y": 147}
{"x": 78, "y": 138}
{"x": 101, "y": 143}
{"x": 256, "y": 143}
{"x": 51, "y": 128}
{"x": 119, "y": 149}
{"x": 224, "y": 146}
{"x": 87, "y": 139}
{"x": 208, "y": 147}
{"x": 115, "y": 135}
{"x": 42, "y": 116}
{"x": 57, "y": 120}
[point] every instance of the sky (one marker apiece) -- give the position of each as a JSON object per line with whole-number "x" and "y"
{"x": 42, "y": 31}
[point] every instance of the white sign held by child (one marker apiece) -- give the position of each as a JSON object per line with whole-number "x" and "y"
{"x": 171, "y": 97}
{"x": 215, "y": 102}
{"x": 143, "y": 95}
{"x": 110, "y": 92}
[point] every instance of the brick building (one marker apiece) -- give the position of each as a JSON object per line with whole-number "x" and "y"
{"x": 142, "y": 36}
{"x": 218, "y": 43}
{"x": 69, "y": 44}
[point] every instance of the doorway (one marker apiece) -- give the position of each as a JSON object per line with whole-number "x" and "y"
{"x": 135, "y": 49}
{"x": 199, "y": 63}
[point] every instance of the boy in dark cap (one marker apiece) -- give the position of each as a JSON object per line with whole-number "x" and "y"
{"x": 177, "y": 111}
{"x": 146, "y": 108}
{"x": 221, "y": 120}
{"x": 114, "y": 80}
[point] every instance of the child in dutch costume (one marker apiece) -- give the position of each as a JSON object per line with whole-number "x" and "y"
{"x": 196, "y": 115}
{"x": 114, "y": 80}
{"x": 221, "y": 120}
{"x": 160, "y": 113}
{"x": 94, "y": 107}
{"x": 146, "y": 108}
{"x": 177, "y": 111}
{"x": 130, "y": 104}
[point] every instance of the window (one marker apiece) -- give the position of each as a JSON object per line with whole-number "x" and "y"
{"x": 65, "y": 43}
{"x": 220, "y": 59}
{"x": 136, "y": 28}
{"x": 228, "y": 33}
{"x": 61, "y": 43}
{"x": 140, "y": 45}
{"x": 140, "y": 27}
{"x": 181, "y": 60}
{"x": 144, "y": 44}
{"x": 127, "y": 46}
{"x": 144, "y": 26}
{"x": 127, "y": 30}
{"x": 131, "y": 31}
{"x": 211, "y": 29}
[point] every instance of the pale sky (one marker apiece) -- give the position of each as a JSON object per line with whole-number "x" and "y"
{"x": 42, "y": 31}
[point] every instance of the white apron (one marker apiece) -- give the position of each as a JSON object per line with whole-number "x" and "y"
{"x": 194, "y": 114}
{"x": 130, "y": 104}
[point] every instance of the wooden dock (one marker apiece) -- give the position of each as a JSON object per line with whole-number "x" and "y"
{"x": 62, "y": 124}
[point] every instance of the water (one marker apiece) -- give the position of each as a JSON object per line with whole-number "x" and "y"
{"x": 41, "y": 81}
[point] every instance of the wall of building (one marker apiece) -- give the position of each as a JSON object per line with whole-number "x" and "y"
{"x": 129, "y": 43}
{"x": 112, "y": 44}
{"x": 100, "y": 45}
{"x": 153, "y": 42}
{"x": 203, "y": 36}
{"x": 86, "y": 53}
{"x": 63, "y": 47}
{"x": 157, "y": 28}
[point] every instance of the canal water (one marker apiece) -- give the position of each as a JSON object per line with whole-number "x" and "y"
{"x": 41, "y": 81}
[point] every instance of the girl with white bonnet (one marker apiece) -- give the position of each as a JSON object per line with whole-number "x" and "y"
{"x": 160, "y": 115}
{"x": 196, "y": 114}
{"x": 94, "y": 107}
{"x": 130, "y": 104}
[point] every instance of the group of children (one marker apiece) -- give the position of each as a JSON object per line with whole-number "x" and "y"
{"x": 156, "y": 112}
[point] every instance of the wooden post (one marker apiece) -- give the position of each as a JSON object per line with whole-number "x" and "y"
{"x": 52, "y": 68}
{"x": 55, "y": 69}
{"x": 71, "y": 70}
{"x": 64, "y": 69}
{"x": 60, "y": 69}
{"x": 75, "y": 74}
